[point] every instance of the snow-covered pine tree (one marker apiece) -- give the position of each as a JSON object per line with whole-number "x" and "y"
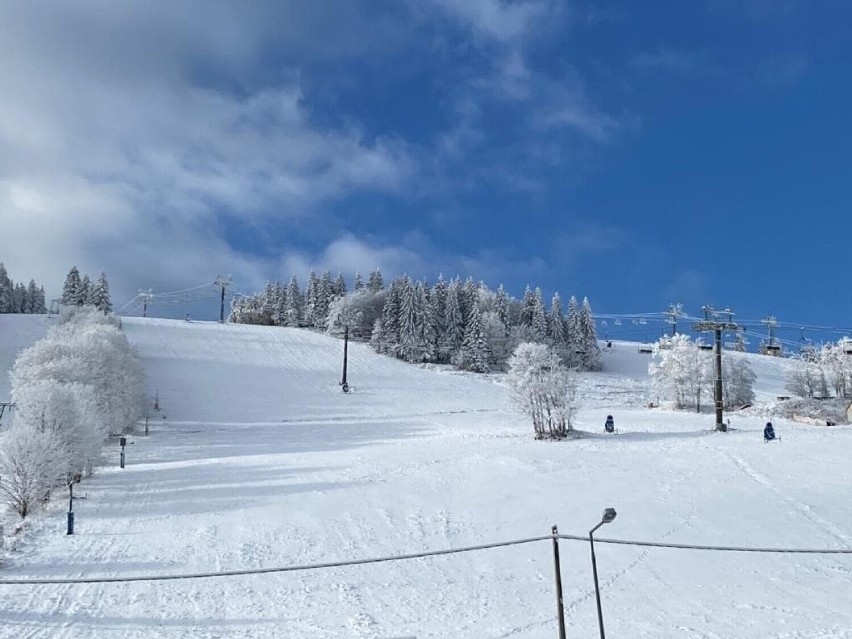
{"x": 5, "y": 291}
{"x": 19, "y": 297}
{"x": 454, "y": 323}
{"x": 412, "y": 346}
{"x": 269, "y": 303}
{"x": 574, "y": 334}
{"x": 388, "y": 339}
{"x": 81, "y": 297}
{"x": 556, "y": 327}
{"x": 295, "y": 303}
{"x": 437, "y": 314}
{"x": 527, "y": 308}
{"x": 429, "y": 335}
{"x": 40, "y": 305}
{"x": 71, "y": 287}
{"x": 501, "y": 307}
{"x": 99, "y": 297}
{"x": 468, "y": 296}
{"x": 376, "y": 283}
{"x": 324, "y": 297}
{"x": 357, "y": 283}
{"x": 32, "y": 298}
{"x": 474, "y": 354}
{"x": 338, "y": 288}
{"x": 279, "y": 314}
{"x": 539, "y": 317}
{"x": 311, "y": 299}
{"x": 591, "y": 350}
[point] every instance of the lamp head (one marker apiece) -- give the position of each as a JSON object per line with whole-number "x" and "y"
{"x": 608, "y": 515}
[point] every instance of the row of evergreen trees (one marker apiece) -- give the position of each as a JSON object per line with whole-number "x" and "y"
{"x": 79, "y": 291}
{"x": 18, "y": 297}
{"x": 461, "y": 323}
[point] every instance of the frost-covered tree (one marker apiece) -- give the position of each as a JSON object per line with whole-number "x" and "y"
{"x": 806, "y": 378}
{"x": 454, "y": 323}
{"x": 413, "y": 346}
{"x": 29, "y": 464}
{"x": 737, "y": 381}
{"x": 538, "y": 317}
{"x": 32, "y": 298}
{"x": 376, "y": 283}
{"x": 99, "y": 295}
{"x": 82, "y": 296}
{"x": 501, "y": 307}
{"x": 73, "y": 388}
{"x": 527, "y": 308}
{"x": 358, "y": 282}
{"x": 437, "y": 315}
{"x": 71, "y": 288}
{"x": 386, "y": 333}
{"x": 591, "y": 357}
{"x": 681, "y": 373}
{"x": 338, "y": 287}
{"x": 542, "y": 388}
{"x": 556, "y": 325}
{"x": 5, "y": 291}
{"x": 295, "y": 303}
{"x": 475, "y": 352}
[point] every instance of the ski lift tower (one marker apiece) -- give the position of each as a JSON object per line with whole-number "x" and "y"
{"x": 770, "y": 347}
{"x": 224, "y": 283}
{"x": 716, "y": 322}
{"x": 675, "y": 311}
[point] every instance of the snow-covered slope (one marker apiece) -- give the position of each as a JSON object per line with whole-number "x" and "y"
{"x": 18, "y": 332}
{"x": 262, "y": 461}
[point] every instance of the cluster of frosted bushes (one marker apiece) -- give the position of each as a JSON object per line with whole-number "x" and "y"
{"x": 73, "y": 389}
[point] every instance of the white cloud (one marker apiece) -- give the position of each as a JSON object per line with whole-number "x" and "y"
{"x": 117, "y": 154}
{"x": 499, "y": 19}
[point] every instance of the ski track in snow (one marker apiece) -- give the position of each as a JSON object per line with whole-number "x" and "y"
{"x": 262, "y": 461}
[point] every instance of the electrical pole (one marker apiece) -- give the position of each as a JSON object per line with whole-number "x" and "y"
{"x": 715, "y": 323}
{"x": 223, "y": 282}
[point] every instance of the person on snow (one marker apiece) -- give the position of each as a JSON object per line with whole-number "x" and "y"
{"x": 609, "y": 425}
{"x": 768, "y": 432}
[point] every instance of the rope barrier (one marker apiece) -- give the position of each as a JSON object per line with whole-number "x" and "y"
{"x": 262, "y": 571}
{"x": 418, "y": 555}
{"x": 655, "y": 544}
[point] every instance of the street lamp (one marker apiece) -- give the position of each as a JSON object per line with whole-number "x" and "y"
{"x": 608, "y": 515}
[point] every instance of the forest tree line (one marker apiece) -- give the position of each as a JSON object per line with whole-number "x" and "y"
{"x": 17, "y": 297}
{"x": 463, "y": 323}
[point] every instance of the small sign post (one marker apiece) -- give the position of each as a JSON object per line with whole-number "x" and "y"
{"x": 123, "y": 442}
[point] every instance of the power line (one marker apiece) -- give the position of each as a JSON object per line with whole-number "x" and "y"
{"x": 419, "y": 555}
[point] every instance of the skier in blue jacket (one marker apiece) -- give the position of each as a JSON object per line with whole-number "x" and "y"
{"x": 768, "y": 432}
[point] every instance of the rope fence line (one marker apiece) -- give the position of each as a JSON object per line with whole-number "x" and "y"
{"x": 418, "y": 555}
{"x": 654, "y": 544}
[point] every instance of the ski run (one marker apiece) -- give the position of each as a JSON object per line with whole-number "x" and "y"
{"x": 256, "y": 459}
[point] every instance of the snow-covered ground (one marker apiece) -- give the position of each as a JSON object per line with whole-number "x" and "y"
{"x": 257, "y": 460}
{"x": 18, "y": 332}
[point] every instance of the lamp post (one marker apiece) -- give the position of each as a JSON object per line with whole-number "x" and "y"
{"x": 608, "y": 515}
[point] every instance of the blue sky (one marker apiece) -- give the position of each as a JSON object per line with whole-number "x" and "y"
{"x": 636, "y": 153}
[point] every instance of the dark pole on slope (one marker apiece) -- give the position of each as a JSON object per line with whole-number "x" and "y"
{"x": 720, "y": 425}
{"x": 343, "y": 382}
{"x": 70, "y": 530}
{"x": 560, "y": 608}
{"x": 222, "y": 306}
